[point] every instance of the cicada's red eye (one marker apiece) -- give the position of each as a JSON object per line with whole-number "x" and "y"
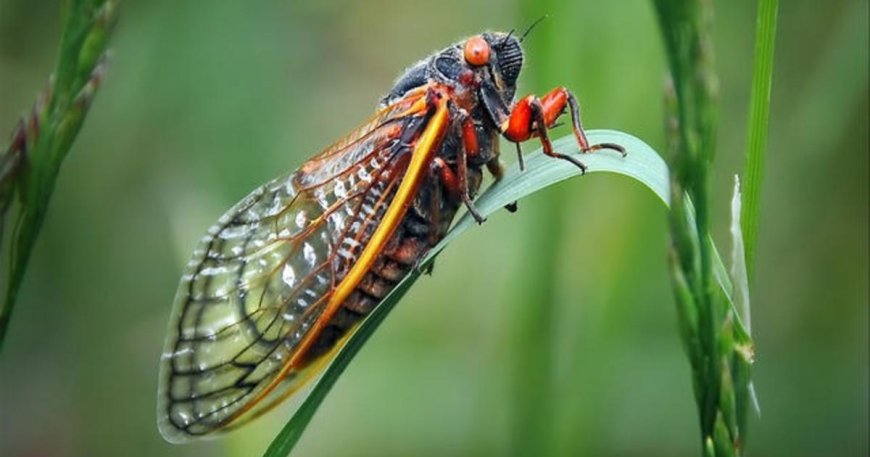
{"x": 477, "y": 51}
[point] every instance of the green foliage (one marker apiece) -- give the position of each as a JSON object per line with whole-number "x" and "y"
{"x": 642, "y": 164}
{"x": 715, "y": 336}
{"x": 762, "y": 78}
{"x": 30, "y": 164}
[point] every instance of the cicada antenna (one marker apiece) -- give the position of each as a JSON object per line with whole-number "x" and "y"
{"x": 526, "y": 33}
{"x": 506, "y": 38}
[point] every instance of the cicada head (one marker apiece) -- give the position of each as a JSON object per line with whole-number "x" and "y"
{"x": 489, "y": 62}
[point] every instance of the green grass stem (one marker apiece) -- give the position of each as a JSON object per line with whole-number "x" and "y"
{"x": 717, "y": 344}
{"x": 30, "y": 164}
{"x": 759, "y": 112}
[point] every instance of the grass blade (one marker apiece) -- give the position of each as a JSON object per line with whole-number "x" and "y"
{"x": 759, "y": 112}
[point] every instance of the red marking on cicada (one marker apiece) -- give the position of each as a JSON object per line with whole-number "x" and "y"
{"x": 469, "y": 138}
{"x": 448, "y": 178}
{"x": 467, "y": 79}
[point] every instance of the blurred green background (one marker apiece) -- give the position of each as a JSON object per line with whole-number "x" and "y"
{"x": 206, "y": 100}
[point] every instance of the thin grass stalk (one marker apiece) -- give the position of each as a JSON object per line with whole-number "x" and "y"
{"x": 712, "y": 333}
{"x": 759, "y": 113}
{"x": 30, "y": 164}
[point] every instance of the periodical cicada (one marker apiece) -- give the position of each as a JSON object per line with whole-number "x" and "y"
{"x": 276, "y": 286}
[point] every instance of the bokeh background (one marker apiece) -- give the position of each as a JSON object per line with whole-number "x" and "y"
{"x": 206, "y": 100}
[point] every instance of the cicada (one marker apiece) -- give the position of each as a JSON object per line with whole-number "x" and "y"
{"x": 285, "y": 276}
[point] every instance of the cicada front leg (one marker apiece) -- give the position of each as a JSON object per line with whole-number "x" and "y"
{"x": 533, "y": 117}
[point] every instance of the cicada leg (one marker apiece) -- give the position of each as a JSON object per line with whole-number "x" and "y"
{"x": 456, "y": 182}
{"x": 496, "y": 169}
{"x": 533, "y": 116}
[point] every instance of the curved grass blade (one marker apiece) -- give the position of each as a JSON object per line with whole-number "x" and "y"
{"x": 642, "y": 164}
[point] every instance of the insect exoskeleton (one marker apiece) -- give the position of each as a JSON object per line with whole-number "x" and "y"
{"x": 284, "y": 277}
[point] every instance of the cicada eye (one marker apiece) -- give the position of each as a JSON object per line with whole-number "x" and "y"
{"x": 477, "y": 51}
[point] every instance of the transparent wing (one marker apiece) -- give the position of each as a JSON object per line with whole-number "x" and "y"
{"x": 260, "y": 278}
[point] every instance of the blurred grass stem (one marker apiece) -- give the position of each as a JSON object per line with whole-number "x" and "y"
{"x": 718, "y": 346}
{"x": 30, "y": 164}
{"x": 759, "y": 112}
